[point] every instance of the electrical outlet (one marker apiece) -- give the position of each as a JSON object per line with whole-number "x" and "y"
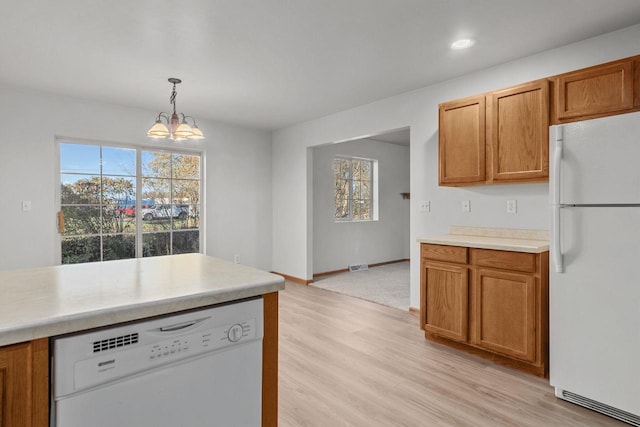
{"x": 26, "y": 205}
{"x": 236, "y": 258}
{"x": 512, "y": 206}
{"x": 425, "y": 206}
{"x": 466, "y": 206}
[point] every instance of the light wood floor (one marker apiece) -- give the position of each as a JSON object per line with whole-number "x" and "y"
{"x": 349, "y": 362}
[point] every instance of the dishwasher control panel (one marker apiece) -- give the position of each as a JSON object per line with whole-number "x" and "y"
{"x": 163, "y": 341}
{"x": 201, "y": 342}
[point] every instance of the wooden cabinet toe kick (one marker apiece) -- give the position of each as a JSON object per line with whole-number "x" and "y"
{"x": 537, "y": 370}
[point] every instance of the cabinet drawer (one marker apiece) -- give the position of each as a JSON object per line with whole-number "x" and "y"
{"x": 445, "y": 253}
{"x": 518, "y": 261}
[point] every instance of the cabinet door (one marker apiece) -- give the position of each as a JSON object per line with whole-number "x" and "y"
{"x": 504, "y": 313}
{"x": 518, "y": 133}
{"x": 24, "y": 384}
{"x": 445, "y": 299}
{"x": 594, "y": 91}
{"x": 461, "y": 142}
{"x": 636, "y": 81}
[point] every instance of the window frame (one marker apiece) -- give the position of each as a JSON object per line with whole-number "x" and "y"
{"x": 373, "y": 183}
{"x": 138, "y": 182}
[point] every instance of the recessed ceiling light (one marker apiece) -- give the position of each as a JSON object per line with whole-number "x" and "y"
{"x": 462, "y": 44}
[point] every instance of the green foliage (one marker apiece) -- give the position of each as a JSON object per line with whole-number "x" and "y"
{"x": 103, "y": 195}
{"x": 80, "y": 249}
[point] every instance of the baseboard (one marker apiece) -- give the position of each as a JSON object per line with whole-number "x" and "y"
{"x": 344, "y": 270}
{"x": 329, "y": 273}
{"x": 414, "y": 311}
{"x": 388, "y": 262}
{"x": 293, "y": 278}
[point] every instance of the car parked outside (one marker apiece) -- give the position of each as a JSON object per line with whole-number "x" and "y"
{"x": 126, "y": 210}
{"x": 165, "y": 211}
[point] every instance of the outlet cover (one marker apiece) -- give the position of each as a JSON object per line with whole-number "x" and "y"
{"x": 512, "y": 206}
{"x": 466, "y": 206}
{"x": 425, "y": 206}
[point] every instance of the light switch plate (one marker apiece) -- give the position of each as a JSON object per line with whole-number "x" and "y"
{"x": 512, "y": 206}
{"x": 26, "y": 205}
{"x": 466, "y": 206}
{"x": 425, "y": 206}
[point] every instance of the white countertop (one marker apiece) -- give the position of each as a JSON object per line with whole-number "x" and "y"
{"x": 49, "y": 301}
{"x": 532, "y": 241}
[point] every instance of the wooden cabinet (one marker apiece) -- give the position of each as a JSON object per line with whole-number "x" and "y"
{"x": 504, "y": 307}
{"x": 602, "y": 90}
{"x": 518, "y": 133}
{"x": 487, "y": 302}
{"x": 510, "y": 305}
{"x": 636, "y": 82}
{"x": 24, "y": 384}
{"x": 446, "y": 299}
{"x": 502, "y": 136}
{"x": 461, "y": 149}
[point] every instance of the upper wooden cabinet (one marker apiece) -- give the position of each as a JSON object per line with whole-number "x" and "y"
{"x": 518, "y": 133}
{"x": 598, "y": 91}
{"x": 502, "y": 136}
{"x": 461, "y": 149}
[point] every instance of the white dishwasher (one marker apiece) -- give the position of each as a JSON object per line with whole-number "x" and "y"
{"x": 199, "y": 368}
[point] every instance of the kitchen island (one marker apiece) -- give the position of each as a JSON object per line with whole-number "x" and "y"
{"x": 36, "y": 304}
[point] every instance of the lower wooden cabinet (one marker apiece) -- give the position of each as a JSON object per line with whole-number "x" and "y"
{"x": 446, "y": 300}
{"x": 504, "y": 313}
{"x": 490, "y": 303}
{"x": 24, "y": 384}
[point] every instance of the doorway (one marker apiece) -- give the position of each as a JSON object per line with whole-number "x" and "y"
{"x": 359, "y": 252}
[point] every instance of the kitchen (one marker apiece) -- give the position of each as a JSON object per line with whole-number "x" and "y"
{"x": 275, "y": 240}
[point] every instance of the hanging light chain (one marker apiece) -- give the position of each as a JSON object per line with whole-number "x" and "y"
{"x": 172, "y": 98}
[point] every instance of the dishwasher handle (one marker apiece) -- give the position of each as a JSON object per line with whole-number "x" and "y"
{"x": 181, "y": 326}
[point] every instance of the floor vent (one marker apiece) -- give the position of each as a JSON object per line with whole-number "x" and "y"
{"x": 627, "y": 417}
{"x": 358, "y": 267}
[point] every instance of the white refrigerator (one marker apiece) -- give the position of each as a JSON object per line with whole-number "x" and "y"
{"x": 594, "y": 296}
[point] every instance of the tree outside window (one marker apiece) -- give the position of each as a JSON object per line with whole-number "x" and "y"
{"x": 355, "y": 189}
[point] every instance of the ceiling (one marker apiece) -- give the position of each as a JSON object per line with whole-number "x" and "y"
{"x": 272, "y": 63}
{"x": 398, "y": 137}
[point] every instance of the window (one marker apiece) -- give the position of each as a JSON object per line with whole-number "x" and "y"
{"x": 355, "y": 189}
{"x": 124, "y": 202}
{"x": 170, "y": 203}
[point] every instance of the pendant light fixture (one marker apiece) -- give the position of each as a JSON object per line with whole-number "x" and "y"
{"x": 172, "y": 127}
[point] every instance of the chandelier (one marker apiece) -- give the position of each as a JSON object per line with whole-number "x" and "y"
{"x": 172, "y": 127}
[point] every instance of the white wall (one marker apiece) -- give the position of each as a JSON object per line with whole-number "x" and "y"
{"x": 419, "y": 110}
{"x": 237, "y": 182}
{"x": 337, "y": 245}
